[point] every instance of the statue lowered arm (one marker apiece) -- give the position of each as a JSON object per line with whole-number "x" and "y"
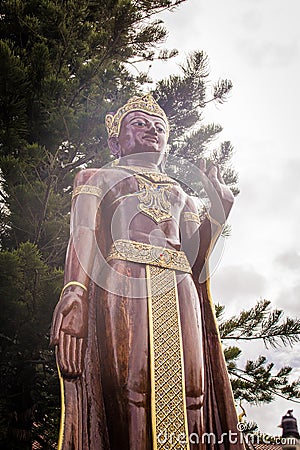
{"x": 69, "y": 324}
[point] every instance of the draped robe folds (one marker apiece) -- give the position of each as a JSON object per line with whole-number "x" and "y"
{"x": 109, "y": 406}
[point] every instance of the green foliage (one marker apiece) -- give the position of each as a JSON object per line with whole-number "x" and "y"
{"x": 29, "y": 289}
{"x": 62, "y": 67}
{"x": 258, "y": 382}
{"x": 184, "y": 97}
{"x": 13, "y": 115}
{"x": 38, "y": 209}
{"x": 260, "y": 322}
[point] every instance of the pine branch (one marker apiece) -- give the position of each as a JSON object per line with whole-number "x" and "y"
{"x": 158, "y": 9}
{"x": 259, "y": 323}
{"x": 261, "y": 390}
{"x": 221, "y": 90}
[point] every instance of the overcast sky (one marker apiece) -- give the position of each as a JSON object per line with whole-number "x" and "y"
{"x": 256, "y": 44}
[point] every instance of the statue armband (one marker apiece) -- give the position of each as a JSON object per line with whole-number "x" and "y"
{"x": 73, "y": 283}
{"x": 195, "y": 217}
{"x": 191, "y": 217}
{"x": 87, "y": 189}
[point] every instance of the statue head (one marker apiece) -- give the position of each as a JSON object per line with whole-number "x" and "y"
{"x": 140, "y": 126}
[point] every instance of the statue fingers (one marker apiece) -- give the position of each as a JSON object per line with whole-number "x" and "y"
{"x": 205, "y": 180}
{"x": 61, "y": 353}
{"x": 77, "y": 355}
{"x": 56, "y": 327}
{"x": 69, "y": 354}
{"x": 80, "y": 354}
{"x": 72, "y": 356}
{"x": 67, "y": 351}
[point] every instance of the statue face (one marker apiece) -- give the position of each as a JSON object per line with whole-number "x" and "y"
{"x": 142, "y": 133}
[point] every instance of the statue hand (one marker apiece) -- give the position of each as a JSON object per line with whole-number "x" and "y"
{"x": 69, "y": 331}
{"x": 219, "y": 194}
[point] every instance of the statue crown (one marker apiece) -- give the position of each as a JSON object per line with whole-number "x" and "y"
{"x": 146, "y": 103}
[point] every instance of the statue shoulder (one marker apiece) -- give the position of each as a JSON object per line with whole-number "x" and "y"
{"x": 97, "y": 181}
{"x": 93, "y": 176}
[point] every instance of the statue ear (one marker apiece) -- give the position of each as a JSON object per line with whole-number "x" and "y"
{"x": 114, "y": 146}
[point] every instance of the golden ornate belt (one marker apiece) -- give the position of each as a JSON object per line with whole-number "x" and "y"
{"x": 168, "y": 397}
{"x": 153, "y": 255}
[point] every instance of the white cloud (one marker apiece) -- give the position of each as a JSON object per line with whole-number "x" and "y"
{"x": 290, "y": 259}
{"x": 268, "y": 53}
{"x": 239, "y": 283}
{"x": 288, "y": 297}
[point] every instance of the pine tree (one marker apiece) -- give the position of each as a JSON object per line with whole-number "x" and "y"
{"x": 257, "y": 383}
{"x": 184, "y": 98}
{"x": 28, "y": 380}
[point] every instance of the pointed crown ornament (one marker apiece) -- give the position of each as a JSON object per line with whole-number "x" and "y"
{"x": 146, "y": 104}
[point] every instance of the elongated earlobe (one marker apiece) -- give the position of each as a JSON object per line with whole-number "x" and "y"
{"x": 114, "y": 146}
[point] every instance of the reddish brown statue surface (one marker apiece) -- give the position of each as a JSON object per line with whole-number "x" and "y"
{"x": 137, "y": 344}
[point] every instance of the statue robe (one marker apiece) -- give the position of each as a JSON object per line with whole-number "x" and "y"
{"x": 109, "y": 406}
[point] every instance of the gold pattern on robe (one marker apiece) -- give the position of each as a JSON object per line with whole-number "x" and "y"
{"x": 191, "y": 217}
{"x": 168, "y": 402}
{"x": 154, "y": 199}
{"x": 143, "y": 253}
{"x": 156, "y": 177}
{"x": 87, "y": 189}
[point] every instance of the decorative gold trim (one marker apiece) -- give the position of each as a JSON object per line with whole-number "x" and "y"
{"x": 198, "y": 218}
{"x": 154, "y": 176}
{"x": 214, "y": 221}
{"x": 73, "y": 283}
{"x": 153, "y": 194}
{"x": 207, "y": 273}
{"x": 62, "y": 407}
{"x": 138, "y": 169}
{"x": 87, "y": 189}
{"x": 191, "y": 217}
{"x": 142, "y": 253}
{"x": 146, "y": 103}
{"x": 151, "y": 354}
{"x": 168, "y": 402}
{"x": 154, "y": 199}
